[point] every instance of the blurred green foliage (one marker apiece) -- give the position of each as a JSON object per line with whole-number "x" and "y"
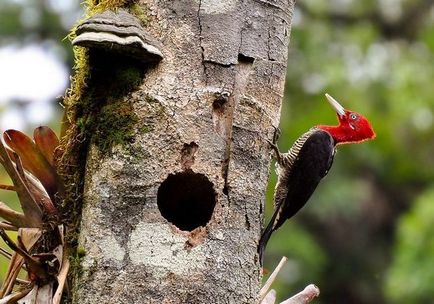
{"x": 38, "y": 22}
{"x": 11, "y": 199}
{"x": 410, "y": 277}
{"x": 376, "y": 58}
{"x": 365, "y": 235}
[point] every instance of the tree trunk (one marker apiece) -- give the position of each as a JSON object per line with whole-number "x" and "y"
{"x": 177, "y": 164}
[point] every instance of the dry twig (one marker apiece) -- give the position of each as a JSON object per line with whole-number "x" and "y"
{"x": 269, "y": 297}
{"x": 304, "y": 296}
{"x": 267, "y": 285}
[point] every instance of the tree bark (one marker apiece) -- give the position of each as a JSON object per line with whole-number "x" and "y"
{"x": 173, "y": 214}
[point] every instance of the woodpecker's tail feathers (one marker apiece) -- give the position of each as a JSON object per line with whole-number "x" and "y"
{"x": 265, "y": 237}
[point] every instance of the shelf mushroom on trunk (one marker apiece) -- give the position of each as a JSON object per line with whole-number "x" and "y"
{"x": 118, "y": 32}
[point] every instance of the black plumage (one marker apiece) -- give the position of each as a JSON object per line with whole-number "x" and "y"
{"x": 299, "y": 171}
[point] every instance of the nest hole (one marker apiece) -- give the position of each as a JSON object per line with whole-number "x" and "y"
{"x": 186, "y": 199}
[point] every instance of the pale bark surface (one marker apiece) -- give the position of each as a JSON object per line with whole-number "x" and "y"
{"x": 209, "y": 107}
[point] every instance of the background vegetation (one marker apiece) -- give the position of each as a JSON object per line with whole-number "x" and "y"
{"x": 366, "y": 235}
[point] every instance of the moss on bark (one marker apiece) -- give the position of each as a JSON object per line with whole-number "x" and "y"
{"x": 95, "y": 106}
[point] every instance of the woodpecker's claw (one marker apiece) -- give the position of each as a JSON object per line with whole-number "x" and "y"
{"x": 273, "y": 144}
{"x": 276, "y": 135}
{"x": 276, "y": 151}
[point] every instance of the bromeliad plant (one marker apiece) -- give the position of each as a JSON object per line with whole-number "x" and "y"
{"x": 39, "y": 249}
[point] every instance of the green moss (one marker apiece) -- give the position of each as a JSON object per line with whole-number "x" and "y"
{"x": 81, "y": 124}
{"x": 76, "y": 268}
{"x": 140, "y": 12}
{"x": 144, "y": 130}
{"x": 96, "y": 108}
{"x": 75, "y": 261}
{"x": 115, "y": 125}
{"x": 81, "y": 252}
{"x": 78, "y": 82}
{"x": 98, "y": 6}
{"x": 77, "y": 272}
{"x": 128, "y": 78}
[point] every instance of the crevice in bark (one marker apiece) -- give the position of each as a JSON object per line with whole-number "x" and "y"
{"x": 271, "y": 4}
{"x": 268, "y": 44}
{"x": 200, "y": 42}
{"x": 247, "y": 221}
{"x": 242, "y": 71}
{"x": 225, "y": 65}
{"x": 187, "y": 200}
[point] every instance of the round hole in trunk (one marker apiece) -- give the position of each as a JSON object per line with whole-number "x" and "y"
{"x": 186, "y": 199}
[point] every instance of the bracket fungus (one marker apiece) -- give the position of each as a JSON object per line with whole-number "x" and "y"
{"x": 119, "y": 32}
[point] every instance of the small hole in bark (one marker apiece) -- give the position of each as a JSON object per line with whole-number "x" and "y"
{"x": 187, "y": 200}
{"x": 245, "y": 58}
{"x": 219, "y": 102}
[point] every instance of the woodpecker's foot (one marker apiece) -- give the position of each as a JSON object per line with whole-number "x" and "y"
{"x": 276, "y": 151}
{"x": 276, "y": 135}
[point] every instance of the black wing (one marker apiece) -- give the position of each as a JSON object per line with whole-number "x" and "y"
{"x": 311, "y": 165}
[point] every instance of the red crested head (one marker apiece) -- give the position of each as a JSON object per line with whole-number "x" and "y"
{"x": 353, "y": 127}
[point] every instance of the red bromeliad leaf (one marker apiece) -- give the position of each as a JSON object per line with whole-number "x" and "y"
{"x": 34, "y": 266}
{"x": 14, "y": 217}
{"x": 7, "y": 187}
{"x": 40, "y": 196}
{"x": 31, "y": 167}
{"x": 29, "y": 237}
{"x": 36, "y": 189}
{"x": 31, "y": 209}
{"x": 39, "y": 294}
{"x": 33, "y": 160}
{"x": 19, "y": 295}
{"x": 61, "y": 280}
{"x": 15, "y": 265}
{"x": 46, "y": 141}
{"x": 7, "y": 226}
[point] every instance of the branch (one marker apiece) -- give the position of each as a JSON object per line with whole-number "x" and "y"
{"x": 304, "y": 296}
{"x": 269, "y": 297}
{"x": 267, "y": 285}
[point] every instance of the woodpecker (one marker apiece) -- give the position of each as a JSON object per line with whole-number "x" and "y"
{"x": 301, "y": 169}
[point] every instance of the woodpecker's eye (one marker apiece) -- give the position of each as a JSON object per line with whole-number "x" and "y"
{"x": 353, "y": 116}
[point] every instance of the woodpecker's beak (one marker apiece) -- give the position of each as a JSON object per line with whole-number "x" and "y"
{"x": 335, "y": 105}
